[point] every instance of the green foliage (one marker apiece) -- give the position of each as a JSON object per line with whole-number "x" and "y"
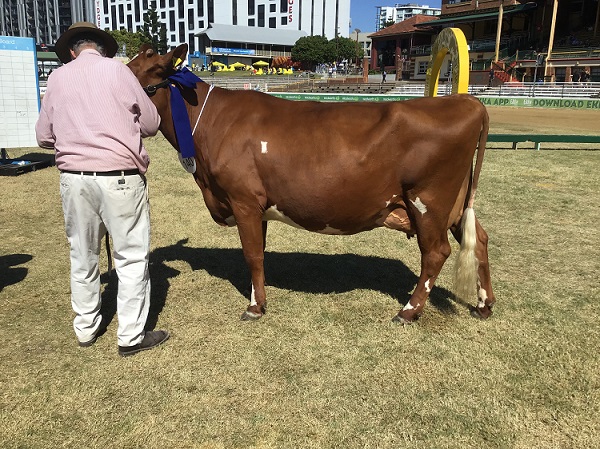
{"x": 153, "y": 31}
{"x": 312, "y": 50}
{"x": 128, "y": 41}
{"x": 345, "y": 48}
{"x": 388, "y": 23}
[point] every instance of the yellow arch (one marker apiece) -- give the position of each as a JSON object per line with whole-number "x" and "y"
{"x": 450, "y": 40}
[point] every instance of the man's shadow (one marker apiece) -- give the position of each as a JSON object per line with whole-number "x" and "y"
{"x": 11, "y": 274}
{"x": 304, "y": 272}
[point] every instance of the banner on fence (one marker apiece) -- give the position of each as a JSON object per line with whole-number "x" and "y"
{"x": 523, "y": 102}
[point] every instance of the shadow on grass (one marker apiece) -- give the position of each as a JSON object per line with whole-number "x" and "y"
{"x": 302, "y": 272}
{"x": 9, "y": 273}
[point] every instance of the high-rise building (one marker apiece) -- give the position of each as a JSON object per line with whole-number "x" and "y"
{"x": 398, "y": 13}
{"x": 45, "y": 20}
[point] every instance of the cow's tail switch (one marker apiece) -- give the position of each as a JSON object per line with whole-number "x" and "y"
{"x": 467, "y": 264}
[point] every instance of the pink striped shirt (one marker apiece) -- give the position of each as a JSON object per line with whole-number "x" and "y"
{"x": 94, "y": 114}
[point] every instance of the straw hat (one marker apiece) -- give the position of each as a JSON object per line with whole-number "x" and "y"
{"x": 62, "y": 44}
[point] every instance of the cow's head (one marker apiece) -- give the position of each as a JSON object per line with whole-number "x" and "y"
{"x": 150, "y": 68}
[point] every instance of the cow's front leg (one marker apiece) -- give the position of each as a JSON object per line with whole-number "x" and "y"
{"x": 433, "y": 255}
{"x": 251, "y": 231}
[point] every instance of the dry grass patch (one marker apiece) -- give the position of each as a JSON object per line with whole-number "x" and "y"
{"x": 325, "y": 367}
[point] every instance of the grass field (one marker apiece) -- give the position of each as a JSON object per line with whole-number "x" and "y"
{"x": 325, "y": 367}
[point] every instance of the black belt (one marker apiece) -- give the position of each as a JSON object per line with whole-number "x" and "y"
{"x": 130, "y": 172}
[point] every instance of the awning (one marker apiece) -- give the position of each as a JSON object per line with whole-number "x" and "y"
{"x": 47, "y": 56}
{"x": 490, "y": 15}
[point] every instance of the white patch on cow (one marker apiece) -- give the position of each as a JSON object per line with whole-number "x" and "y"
{"x": 230, "y": 221}
{"x": 419, "y": 205}
{"x": 427, "y": 287}
{"x": 482, "y": 298}
{"x": 272, "y": 213}
{"x": 263, "y": 147}
{"x": 252, "y": 297}
{"x": 408, "y": 306}
{"x": 330, "y": 231}
{"x": 388, "y": 202}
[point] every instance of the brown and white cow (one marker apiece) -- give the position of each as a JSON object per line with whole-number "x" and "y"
{"x": 335, "y": 168}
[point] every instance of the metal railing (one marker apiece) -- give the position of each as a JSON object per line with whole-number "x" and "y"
{"x": 552, "y": 90}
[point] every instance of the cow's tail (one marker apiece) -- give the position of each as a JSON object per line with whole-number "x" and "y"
{"x": 467, "y": 264}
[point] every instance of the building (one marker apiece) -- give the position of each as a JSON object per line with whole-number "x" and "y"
{"x": 399, "y": 13}
{"x": 184, "y": 19}
{"x": 229, "y": 44}
{"x": 519, "y": 41}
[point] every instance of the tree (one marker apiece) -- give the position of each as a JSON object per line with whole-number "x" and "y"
{"x": 129, "y": 43}
{"x": 311, "y": 50}
{"x": 153, "y": 31}
{"x": 344, "y": 48}
{"x": 388, "y": 23}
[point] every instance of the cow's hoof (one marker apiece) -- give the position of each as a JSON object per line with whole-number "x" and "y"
{"x": 481, "y": 313}
{"x": 250, "y": 316}
{"x": 401, "y": 320}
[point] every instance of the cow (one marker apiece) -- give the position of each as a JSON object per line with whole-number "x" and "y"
{"x": 332, "y": 168}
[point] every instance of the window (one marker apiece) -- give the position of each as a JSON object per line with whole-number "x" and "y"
{"x": 272, "y": 22}
{"x": 422, "y": 67}
{"x": 251, "y": 8}
{"x": 273, "y": 8}
{"x": 261, "y": 15}
{"x": 284, "y": 20}
{"x": 251, "y": 22}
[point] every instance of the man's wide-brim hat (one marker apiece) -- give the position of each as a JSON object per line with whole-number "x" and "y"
{"x": 62, "y": 44}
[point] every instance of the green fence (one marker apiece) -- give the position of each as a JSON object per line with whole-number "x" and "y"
{"x": 523, "y": 102}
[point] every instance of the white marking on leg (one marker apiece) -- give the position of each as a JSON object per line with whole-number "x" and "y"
{"x": 263, "y": 147}
{"x": 252, "y": 298}
{"x": 427, "y": 287}
{"x": 388, "y": 202}
{"x": 482, "y": 298}
{"x": 408, "y": 306}
{"x": 419, "y": 205}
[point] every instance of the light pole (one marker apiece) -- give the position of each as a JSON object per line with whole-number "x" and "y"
{"x": 356, "y": 30}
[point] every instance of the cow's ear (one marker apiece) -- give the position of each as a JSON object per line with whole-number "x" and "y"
{"x": 179, "y": 55}
{"x": 146, "y": 49}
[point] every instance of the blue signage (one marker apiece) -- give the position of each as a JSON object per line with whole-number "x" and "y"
{"x": 17, "y": 43}
{"x": 234, "y": 51}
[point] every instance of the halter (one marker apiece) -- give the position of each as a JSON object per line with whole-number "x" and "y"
{"x": 151, "y": 89}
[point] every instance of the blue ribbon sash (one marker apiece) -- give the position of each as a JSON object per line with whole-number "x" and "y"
{"x": 181, "y": 121}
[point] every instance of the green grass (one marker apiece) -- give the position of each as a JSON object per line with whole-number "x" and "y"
{"x": 325, "y": 367}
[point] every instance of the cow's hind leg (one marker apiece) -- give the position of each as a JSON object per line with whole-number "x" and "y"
{"x": 473, "y": 237}
{"x": 435, "y": 249}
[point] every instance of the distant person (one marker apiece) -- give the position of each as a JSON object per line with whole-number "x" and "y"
{"x": 491, "y": 77}
{"x": 383, "y": 76}
{"x": 94, "y": 114}
{"x": 585, "y": 77}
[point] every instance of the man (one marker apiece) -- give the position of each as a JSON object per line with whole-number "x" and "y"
{"x": 94, "y": 114}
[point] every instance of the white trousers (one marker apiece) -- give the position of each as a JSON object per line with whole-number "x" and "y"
{"x": 93, "y": 205}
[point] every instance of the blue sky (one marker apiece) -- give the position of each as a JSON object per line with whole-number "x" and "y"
{"x": 362, "y": 12}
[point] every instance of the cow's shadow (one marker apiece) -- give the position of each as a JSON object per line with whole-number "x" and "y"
{"x": 303, "y": 272}
{"x": 10, "y": 273}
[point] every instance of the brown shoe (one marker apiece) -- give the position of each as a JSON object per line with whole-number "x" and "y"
{"x": 151, "y": 340}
